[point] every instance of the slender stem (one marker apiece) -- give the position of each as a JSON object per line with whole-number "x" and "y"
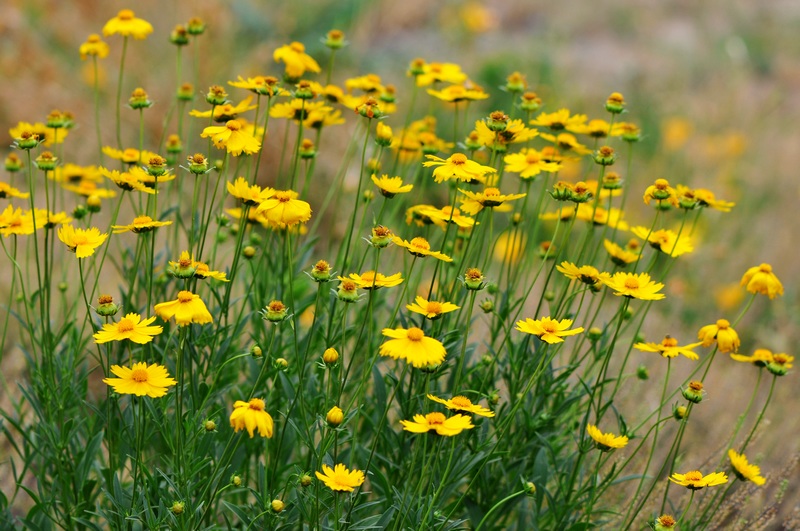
{"x": 119, "y": 90}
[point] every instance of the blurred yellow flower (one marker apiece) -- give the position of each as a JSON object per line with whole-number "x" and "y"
{"x": 457, "y": 166}
{"x": 440, "y": 73}
{"x": 744, "y": 470}
{"x": 761, "y": 279}
{"x": 462, "y": 403}
{"x": 93, "y": 46}
{"x": 458, "y": 93}
{"x": 620, "y": 256}
{"x": 420, "y": 247}
{"x": 225, "y": 112}
{"x": 529, "y": 163}
{"x": 489, "y": 198}
{"x": 665, "y": 240}
{"x": 295, "y": 59}
{"x": 127, "y": 25}
{"x": 720, "y": 332}
{"x": 559, "y": 120}
{"x": 140, "y": 224}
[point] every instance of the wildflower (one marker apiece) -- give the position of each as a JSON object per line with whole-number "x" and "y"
{"x": 620, "y": 256}
{"x": 457, "y": 166}
{"x": 251, "y": 416}
{"x": 665, "y": 522}
{"x": 130, "y": 327}
{"x": 282, "y": 208}
{"x": 432, "y": 310}
{"x": 512, "y": 132}
{"x": 340, "y": 478}
{"x": 140, "y": 224}
{"x": 335, "y": 40}
{"x": 474, "y": 279}
{"x": 348, "y": 290}
{"x": 186, "y": 309}
{"x": 140, "y": 380}
{"x": 586, "y": 274}
{"x": 334, "y": 417}
{"x": 706, "y": 198}
{"x": 559, "y": 120}
{"x": 305, "y": 480}
{"x": 489, "y": 198}
{"x": 695, "y": 480}
{"x": 761, "y": 279}
{"x": 277, "y": 506}
{"x": 605, "y": 156}
{"x": 661, "y": 191}
{"x": 6, "y": 191}
{"x": 726, "y": 337}
{"x": 321, "y": 272}
{"x": 13, "y": 163}
{"x": 226, "y": 111}
{"x": 203, "y": 271}
{"x": 196, "y": 26}
{"x": 567, "y": 142}
{"x": 665, "y": 241}
{"x": 547, "y": 329}
{"x": 529, "y": 163}
{"x": 694, "y": 392}
{"x": 295, "y": 59}
{"x": 106, "y": 306}
{"x": 129, "y": 155}
{"x": 444, "y": 426}
{"x": 139, "y": 99}
{"x": 744, "y": 470}
{"x": 232, "y": 138}
{"x": 420, "y": 247}
{"x": 330, "y": 356}
{"x": 668, "y": 348}
{"x": 458, "y": 93}
{"x": 177, "y": 508}
{"x": 248, "y": 194}
{"x": 370, "y": 280}
{"x": 760, "y": 358}
{"x": 413, "y": 346}
{"x": 93, "y": 46}
{"x": 26, "y": 137}
{"x": 126, "y": 24}
{"x": 445, "y": 215}
{"x": 430, "y": 73}
{"x": 615, "y": 104}
{"x": 462, "y": 403}
{"x": 635, "y": 286}
{"x": 82, "y": 242}
{"x": 179, "y": 35}
{"x": 126, "y": 181}
{"x": 275, "y": 312}
{"x": 606, "y": 441}
{"x": 263, "y": 85}
{"x": 391, "y": 186}
{"x": 780, "y": 364}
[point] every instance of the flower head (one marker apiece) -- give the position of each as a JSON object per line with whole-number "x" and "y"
{"x": 457, "y": 93}
{"x": 127, "y": 25}
{"x": 420, "y": 247}
{"x": 340, "y": 478}
{"x": 457, "y": 166}
{"x": 130, "y": 327}
{"x": 620, "y": 256}
{"x": 744, "y": 470}
{"x": 695, "y": 480}
{"x": 529, "y": 163}
{"x": 586, "y": 274}
{"x": 559, "y": 120}
{"x": 249, "y": 194}
{"x": 605, "y": 441}
{"x": 372, "y": 280}
{"x": 431, "y": 309}
{"x": 760, "y": 358}
{"x": 283, "y": 209}
{"x": 413, "y": 346}
{"x": 462, "y": 403}
{"x": 296, "y": 60}
{"x": 226, "y": 111}
{"x": 233, "y": 137}
{"x": 186, "y": 309}
{"x": 391, "y": 186}
{"x": 442, "y": 425}
{"x": 251, "y": 416}
{"x": 635, "y": 286}
{"x": 665, "y": 240}
{"x": 726, "y": 337}
{"x": 93, "y": 46}
{"x": 489, "y": 198}
{"x": 761, "y": 279}
{"x": 140, "y": 224}
{"x": 82, "y": 242}
{"x": 547, "y": 329}
{"x": 668, "y": 348}
{"x": 140, "y": 380}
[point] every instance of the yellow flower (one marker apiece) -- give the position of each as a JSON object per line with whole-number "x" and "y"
{"x": 515, "y": 132}
{"x": 370, "y": 280}
{"x": 586, "y": 274}
{"x": 529, "y": 163}
{"x": 489, "y": 198}
{"x": 129, "y": 327}
{"x": 413, "y": 346}
{"x": 445, "y": 215}
{"x": 660, "y": 191}
{"x": 440, "y": 73}
{"x": 6, "y": 191}
{"x": 263, "y": 85}
{"x": 635, "y": 286}
{"x": 510, "y": 247}
{"x": 391, "y": 186}
{"x": 202, "y": 271}
{"x": 298, "y": 109}
{"x": 186, "y": 309}
{"x": 129, "y": 155}
{"x": 248, "y": 194}
{"x": 82, "y": 242}
{"x": 559, "y": 120}
{"x": 127, "y": 25}
{"x": 140, "y": 224}
{"x": 726, "y": 337}
{"x": 140, "y": 380}
{"x": 431, "y": 309}
{"x": 744, "y": 470}
{"x": 595, "y": 129}
{"x": 695, "y": 479}
{"x": 251, "y": 416}
{"x": 668, "y": 348}
{"x": 233, "y": 138}
{"x": 462, "y": 403}
{"x": 225, "y": 112}
{"x": 295, "y": 59}
{"x": 665, "y": 241}
{"x": 127, "y": 180}
{"x": 706, "y": 198}
{"x": 547, "y": 329}
{"x": 47, "y": 135}
{"x": 457, "y": 93}
{"x": 366, "y": 83}
{"x": 340, "y": 478}
{"x": 457, "y": 166}
{"x": 760, "y": 358}
{"x": 620, "y": 256}
{"x": 93, "y": 46}
{"x": 282, "y": 208}
{"x": 761, "y": 279}
{"x": 444, "y": 426}
{"x": 605, "y": 441}
{"x": 567, "y": 142}
{"x": 420, "y": 247}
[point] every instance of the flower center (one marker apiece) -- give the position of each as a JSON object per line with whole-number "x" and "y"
{"x": 723, "y": 324}
{"x": 78, "y": 239}
{"x": 435, "y": 418}
{"x": 125, "y": 14}
{"x": 283, "y": 197}
{"x": 276, "y": 306}
{"x": 461, "y": 401}
{"x": 696, "y": 386}
{"x": 105, "y": 299}
{"x": 256, "y": 404}
{"x": 632, "y": 283}
{"x": 185, "y": 296}
{"x": 369, "y": 276}
{"x": 670, "y": 342}
{"x": 141, "y": 220}
{"x": 126, "y": 325}
{"x": 185, "y": 262}
{"x": 297, "y": 47}
{"x": 130, "y": 154}
{"x": 420, "y": 243}
{"x": 414, "y": 334}
{"x": 694, "y": 475}
{"x": 765, "y": 268}
{"x": 781, "y": 359}
{"x": 434, "y": 307}
{"x": 532, "y": 158}
{"x": 233, "y": 125}
{"x": 93, "y": 38}
{"x": 549, "y": 327}
{"x": 661, "y": 184}
{"x": 458, "y": 159}
{"x": 139, "y": 375}
{"x": 491, "y": 192}
{"x": 348, "y": 285}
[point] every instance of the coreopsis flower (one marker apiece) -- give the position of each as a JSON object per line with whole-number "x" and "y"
{"x": 203, "y": 271}
{"x": 462, "y": 403}
{"x": 514, "y": 133}
{"x": 263, "y": 85}
{"x": 233, "y": 138}
{"x": 188, "y": 308}
{"x": 127, "y": 25}
{"x": 744, "y": 470}
{"x": 226, "y": 111}
{"x": 444, "y": 426}
{"x": 370, "y": 279}
{"x": 141, "y": 380}
{"x": 720, "y": 332}
{"x": 334, "y": 417}
{"x": 442, "y": 216}
{"x": 6, "y": 191}
{"x": 458, "y": 93}
{"x": 283, "y": 209}
{"x": 761, "y": 279}
{"x": 431, "y": 73}
{"x": 413, "y": 346}
{"x": 547, "y": 329}
{"x": 706, "y": 198}
{"x": 420, "y": 247}
{"x": 780, "y": 364}
{"x": 695, "y": 480}
{"x": 432, "y": 310}
{"x": 661, "y": 191}
{"x": 366, "y": 83}
{"x": 15, "y": 221}
{"x": 340, "y": 478}
{"x": 140, "y": 224}
{"x": 82, "y": 242}
{"x": 131, "y": 327}
{"x": 529, "y": 163}
{"x": 489, "y": 198}
{"x": 127, "y": 180}
{"x": 760, "y": 358}
{"x": 298, "y": 109}
{"x": 248, "y": 194}
{"x": 665, "y": 522}
{"x": 251, "y": 416}
{"x": 665, "y": 241}
{"x": 567, "y": 142}
{"x": 94, "y": 46}
{"x": 586, "y": 273}
{"x": 668, "y": 348}
{"x": 694, "y": 392}
{"x": 457, "y": 166}
{"x": 635, "y": 286}
{"x": 295, "y": 59}
{"x": 391, "y": 186}
{"x": 605, "y": 441}
{"x": 559, "y": 120}
{"x": 620, "y": 256}
{"x": 595, "y": 129}
{"x": 33, "y": 134}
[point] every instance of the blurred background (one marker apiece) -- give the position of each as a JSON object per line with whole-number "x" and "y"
{"x": 714, "y": 86}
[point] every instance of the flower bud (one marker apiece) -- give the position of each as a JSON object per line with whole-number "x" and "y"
{"x": 93, "y": 203}
{"x": 334, "y": 39}
{"x": 236, "y": 480}
{"x": 497, "y": 121}
{"x": 62, "y": 287}
{"x": 642, "y": 373}
{"x": 195, "y": 26}
{"x": 13, "y": 163}
{"x": 595, "y": 333}
{"x": 209, "y": 425}
{"x": 605, "y": 156}
{"x": 612, "y": 181}
{"x": 305, "y": 480}
{"x": 277, "y": 506}
{"x": 680, "y": 412}
{"x": 530, "y": 102}
{"x": 334, "y": 417}
{"x": 383, "y": 134}
{"x": 330, "y": 356}
{"x": 46, "y": 161}
{"x": 307, "y": 149}
{"x": 693, "y": 392}
{"x": 515, "y": 83}
{"x": 106, "y": 306}
{"x": 348, "y": 291}
{"x": 249, "y": 252}
{"x": 139, "y": 99}
{"x": 615, "y": 104}
{"x": 275, "y": 312}
{"x": 487, "y": 306}
{"x": 185, "y": 92}
{"x": 473, "y": 141}
{"x": 177, "y": 508}
{"x": 281, "y": 364}
{"x": 216, "y": 95}
{"x": 28, "y": 140}
{"x": 179, "y": 35}
{"x": 321, "y": 272}
{"x": 304, "y": 91}
{"x": 381, "y": 237}
{"x": 256, "y": 352}
{"x": 198, "y": 164}
{"x": 530, "y": 488}
{"x": 580, "y": 193}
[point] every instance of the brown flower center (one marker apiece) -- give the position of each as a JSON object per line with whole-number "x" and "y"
{"x": 696, "y": 386}
{"x": 436, "y": 418}
{"x": 283, "y": 197}
{"x": 233, "y": 125}
{"x": 185, "y": 296}
{"x": 348, "y": 285}
{"x": 532, "y": 158}
{"x": 765, "y": 268}
{"x": 661, "y": 184}
{"x": 414, "y": 334}
{"x": 694, "y": 475}
{"x": 458, "y": 159}
{"x": 670, "y": 342}
{"x": 434, "y": 307}
{"x": 632, "y": 283}
{"x": 723, "y": 324}
{"x": 139, "y": 375}
{"x": 491, "y": 192}
{"x": 276, "y": 306}
{"x": 105, "y": 299}
{"x": 297, "y": 47}
{"x": 141, "y": 220}
{"x": 125, "y": 14}
{"x": 256, "y": 404}
{"x": 126, "y": 325}
{"x": 461, "y": 401}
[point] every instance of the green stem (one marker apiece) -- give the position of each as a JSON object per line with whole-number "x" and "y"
{"x": 119, "y": 90}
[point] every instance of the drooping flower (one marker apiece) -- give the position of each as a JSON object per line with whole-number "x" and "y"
{"x": 186, "y": 309}
{"x": 668, "y": 348}
{"x": 695, "y": 480}
{"x": 370, "y": 280}
{"x": 139, "y": 225}
{"x": 635, "y": 286}
{"x": 251, "y": 416}
{"x": 126, "y": 180}
{"x": 489, "y": 198}
{"x": 127, "y": 25}
{"x": 82, "y": 242}
{"x": 547, "y": 329}
{"x": 661, "y": 191}
{"x": 391, "y": 186}
{"x": 340, "y": 478}
{"x": 447, "y": 427}
{"x": 457, "y": 166}
{"x": 140, "y": 380}
{"x": 761, "y": 279}
{"x": 744, "y": 470}
{"x": 283, "y": 209}
{"x": 413, "y": 346}
{"x": 420, "y": 247}
{"x": 296, "y": 60}
{"x": 665, "y": 241}
{"x": 462, "y": 403}
{"x": 432, "y": 310}
{"x": 442, "y": 216}
{"x": 606, "y": 441}
{"x": 233, "y": 137}
{"x": 720, "y": 332}
{"x": 130, "y": 327}
{"x": 94, "y": 46}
